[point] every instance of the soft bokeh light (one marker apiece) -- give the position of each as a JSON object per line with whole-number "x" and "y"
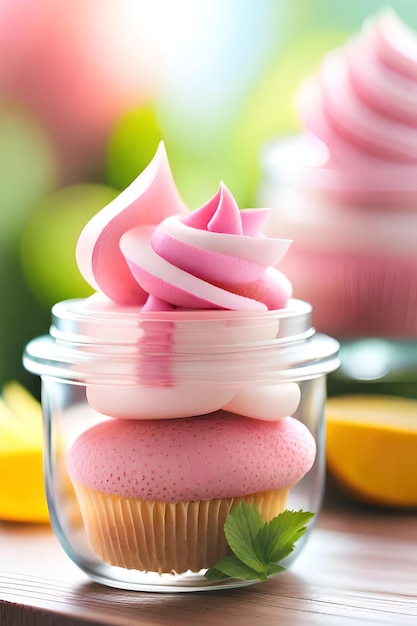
{"x": 87, "y": 89}
{"x": 215, "y": 63}
{"x": 77, "y": 66}
{"x": 132, "y": 144}
{"x": 27, "y": 168}
{"x": 50, "y": 238}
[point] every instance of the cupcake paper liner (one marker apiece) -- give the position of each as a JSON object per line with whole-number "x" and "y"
{"x": 164, "y": 537}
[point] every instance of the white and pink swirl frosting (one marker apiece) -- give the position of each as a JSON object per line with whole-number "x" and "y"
{"x": 362, "y": 104}
{"x": 215, "y": 257}
{"x": 146, "y": 251}
{"x": 146, "y": 247}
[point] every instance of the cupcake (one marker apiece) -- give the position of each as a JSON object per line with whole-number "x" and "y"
{"x": 345, "y": 190}
{"x": 183, "y": 387}
{"x": 155, "y": 494}
{"x": 155, "y": 491}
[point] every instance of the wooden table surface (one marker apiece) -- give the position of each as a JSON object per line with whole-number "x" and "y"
{"x": 359, "y": 567}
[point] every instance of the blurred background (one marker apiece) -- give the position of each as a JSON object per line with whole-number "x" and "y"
{"x": 87, "y": 90}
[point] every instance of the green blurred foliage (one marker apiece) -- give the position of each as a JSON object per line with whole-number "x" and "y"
{"x": 131, "y": 145}
{"x": 27, "y": 173}
{"x": 50, "y": 238}
{"x": 21, "y": 318}
{"x": 198, "y": 173}
{"x": 304, "y": 16}
{"x": 268, "y": 111}
{"x": 27, "y": 168}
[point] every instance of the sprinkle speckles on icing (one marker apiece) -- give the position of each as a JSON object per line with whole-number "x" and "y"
{"x": 222, "y": 455}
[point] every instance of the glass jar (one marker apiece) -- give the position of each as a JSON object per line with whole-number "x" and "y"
{"x": 105, "y": 362}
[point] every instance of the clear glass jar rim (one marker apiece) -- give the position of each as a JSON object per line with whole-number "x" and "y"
{"x": 220, "y": 346}
{"x": 72, "y": 322}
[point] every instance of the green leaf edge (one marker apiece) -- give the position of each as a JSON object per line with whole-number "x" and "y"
{"x": 252, "y": 564}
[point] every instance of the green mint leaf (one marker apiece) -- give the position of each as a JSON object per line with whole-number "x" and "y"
{"x": 277, "y": 538}
{"x": 215, "y": 574}
{"x": 274, "y": 568}
{"x": 258, "y": 546}
{"x": 232, "y": 567}
{"x": 241, "y": 528}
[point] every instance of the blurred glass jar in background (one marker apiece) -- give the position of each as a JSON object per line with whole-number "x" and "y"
{"x": 345, "y": 190}
{"x": 356, "y": 263}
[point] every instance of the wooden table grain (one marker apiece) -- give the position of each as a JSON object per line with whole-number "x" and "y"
{"x": 359, "y": 567}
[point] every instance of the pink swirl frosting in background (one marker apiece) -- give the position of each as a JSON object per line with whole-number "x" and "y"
{"x": 362, "y": 104}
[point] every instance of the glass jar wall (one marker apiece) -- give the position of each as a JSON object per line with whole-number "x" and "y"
{"x": 111, "y": 372}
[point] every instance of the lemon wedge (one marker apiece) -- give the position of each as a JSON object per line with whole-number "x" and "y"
{"x": 22, "y": 495}
{"x": 371, "y": 447}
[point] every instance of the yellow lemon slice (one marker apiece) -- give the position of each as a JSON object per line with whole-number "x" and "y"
{"x": 22, "y": 495}
{"x": 371, "y": 447}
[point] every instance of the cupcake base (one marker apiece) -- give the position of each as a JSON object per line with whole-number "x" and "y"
{"x": 164, "y": 537}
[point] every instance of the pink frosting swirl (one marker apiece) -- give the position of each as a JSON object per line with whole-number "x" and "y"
{"x": 214, "y": 257}
{"x": 362, "y": 104}
{"x": 151, "y": 197}
{"x": 145, "y": 246}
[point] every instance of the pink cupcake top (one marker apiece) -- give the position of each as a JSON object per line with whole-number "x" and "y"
{"x": 224, "y": 454}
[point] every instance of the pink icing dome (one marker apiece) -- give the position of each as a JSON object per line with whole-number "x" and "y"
{"x": 362, "y": 104}
{"x": 211, "y": 456}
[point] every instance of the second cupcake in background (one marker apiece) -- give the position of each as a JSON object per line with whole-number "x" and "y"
{"x": 345, "y": 190}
